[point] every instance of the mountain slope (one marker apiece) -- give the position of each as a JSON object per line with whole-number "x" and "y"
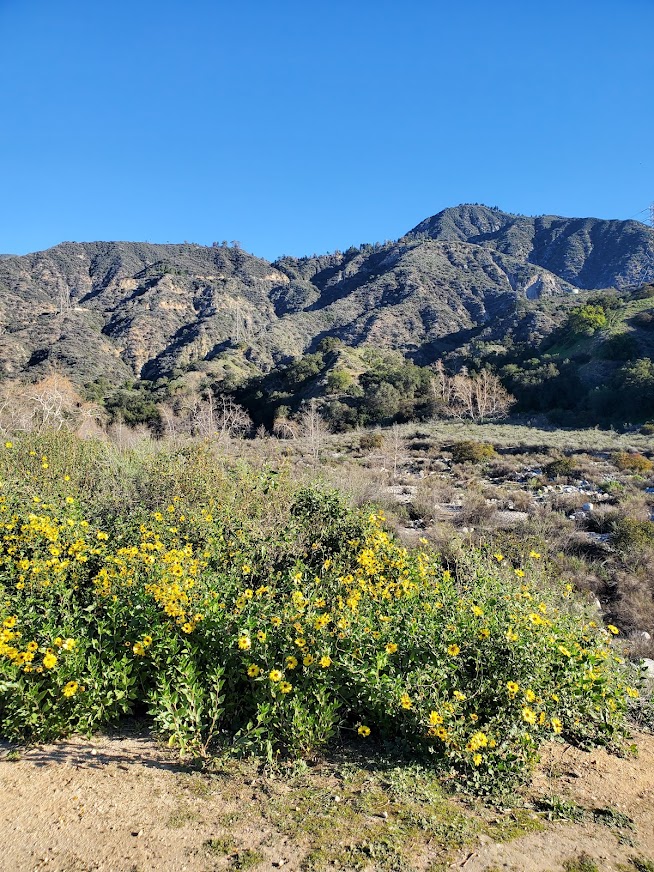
{"x": 126, "y": 310}
{"x": 587, "y": 252}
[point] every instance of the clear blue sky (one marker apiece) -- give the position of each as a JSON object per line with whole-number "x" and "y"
{"x": 307, "y": 126}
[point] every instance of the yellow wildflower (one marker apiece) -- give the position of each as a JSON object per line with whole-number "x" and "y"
{"x": 70, "y": 689}
{"x": 529, "y": 715}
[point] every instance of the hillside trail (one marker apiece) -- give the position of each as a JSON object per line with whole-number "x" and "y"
{"x": 123, "y": 804}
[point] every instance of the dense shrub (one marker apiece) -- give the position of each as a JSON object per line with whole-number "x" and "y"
{"x": 632, "y": 535}
{"x": 371, "y": 441}
{"x": 628, "y": 462}
{"x": 562, "y": 467}
{"x": 242, "y": 610}
{"x": 472, "y": 452}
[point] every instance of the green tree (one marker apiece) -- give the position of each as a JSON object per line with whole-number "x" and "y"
{"x": 586, "y": 320}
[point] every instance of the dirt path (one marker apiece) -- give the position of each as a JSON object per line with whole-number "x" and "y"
{"x": 121, "y": 804}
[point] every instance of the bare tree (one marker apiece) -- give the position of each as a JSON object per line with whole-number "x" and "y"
{"x": 284, "y": 428}
{"x": 479, "y": 397}
{"x": 396, "y": 447}
{"x": 313, "y": 428}
{"x": 220, "y": 418}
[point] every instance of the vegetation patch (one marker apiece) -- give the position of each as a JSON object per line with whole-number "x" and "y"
{"x": 242, "y": 610}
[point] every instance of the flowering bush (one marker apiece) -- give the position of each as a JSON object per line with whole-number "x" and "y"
{"x": 278, "y": 637}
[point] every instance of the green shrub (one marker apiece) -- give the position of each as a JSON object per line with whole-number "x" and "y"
{"x": 245, "y": 611}
{"x": 371, "y": 441}
{"x": 472, "y": 452}
{"x": 632, "y": 535}
{"x": 563, "y": 467}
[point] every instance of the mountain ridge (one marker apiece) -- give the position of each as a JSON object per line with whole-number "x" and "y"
{"x": 128, "y": 310}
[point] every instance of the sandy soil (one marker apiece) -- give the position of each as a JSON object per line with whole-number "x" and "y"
{"x": 122, "y": 804}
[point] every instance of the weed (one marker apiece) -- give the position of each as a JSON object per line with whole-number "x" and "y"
{"x": 582, "y": 863}
{"x": 219, "y": 846}
{"x": 246, "y": 859}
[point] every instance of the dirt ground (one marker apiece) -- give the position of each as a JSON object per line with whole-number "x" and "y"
{"x": 122, "y": 804}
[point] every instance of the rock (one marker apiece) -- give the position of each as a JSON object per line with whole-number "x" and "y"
{"x": 587, "y": 507}
{"x": 648, "y": 667}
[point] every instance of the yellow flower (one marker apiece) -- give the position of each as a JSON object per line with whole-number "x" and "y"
{"x": 70, "y": 689}
{"x": 511, "y": 635}
{"x": 529, "y": 715}
{"x": 477, "y": 758}
{"x": 612, "y": 629}
{"x": 9, "y": 444}
{"x": 286, "y": 687}
{"x": 325, "y": 662}
{"x": 9, "y": 623}
{"x": 139, "y": 649}
{"x": 519, "y": 572}
{"x": 308, "y": 660}
{"x": 244, "y": 643}
{"x": 275, "y": 675}
{"x": 535, "y": 555}
{"x": 632, "y": 692}
{"x": 147, "y": 641}
{"x": 275, "y": 621}
{"x": 291, "y": 662}
{"x": 460, "y": 696}
{"x": 391, "y": 648}
{"x": 68, "y": 644}
{"x": 363, "y": 731}
{"x": 530, "y": 696}
{"x": 435, "y": 719}
{"x": 405, "y": 701}
{"x": 513, "y": 687}
{"x": 246, "y": 570}
{"x": 49, "y": 661}
{"x": 33, "y": 646}
{"x": 261, "y": 636}
{"x": 477, "y": 611}
{"x": 484, "y": 633}
{"x": 498, "y": 556}
{"x": 453, "y": 650}
{"x": 253, "y": 670}
{"x": 557, "y": 726}
{"x": 187, "y": 627}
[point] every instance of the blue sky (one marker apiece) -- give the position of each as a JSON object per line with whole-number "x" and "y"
{"x": 301, "y": 127}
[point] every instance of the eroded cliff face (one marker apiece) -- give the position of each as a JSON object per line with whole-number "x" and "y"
{"x": 126, "y": 310}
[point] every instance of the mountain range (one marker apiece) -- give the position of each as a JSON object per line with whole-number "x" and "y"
{"x": 133, "y": 310}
